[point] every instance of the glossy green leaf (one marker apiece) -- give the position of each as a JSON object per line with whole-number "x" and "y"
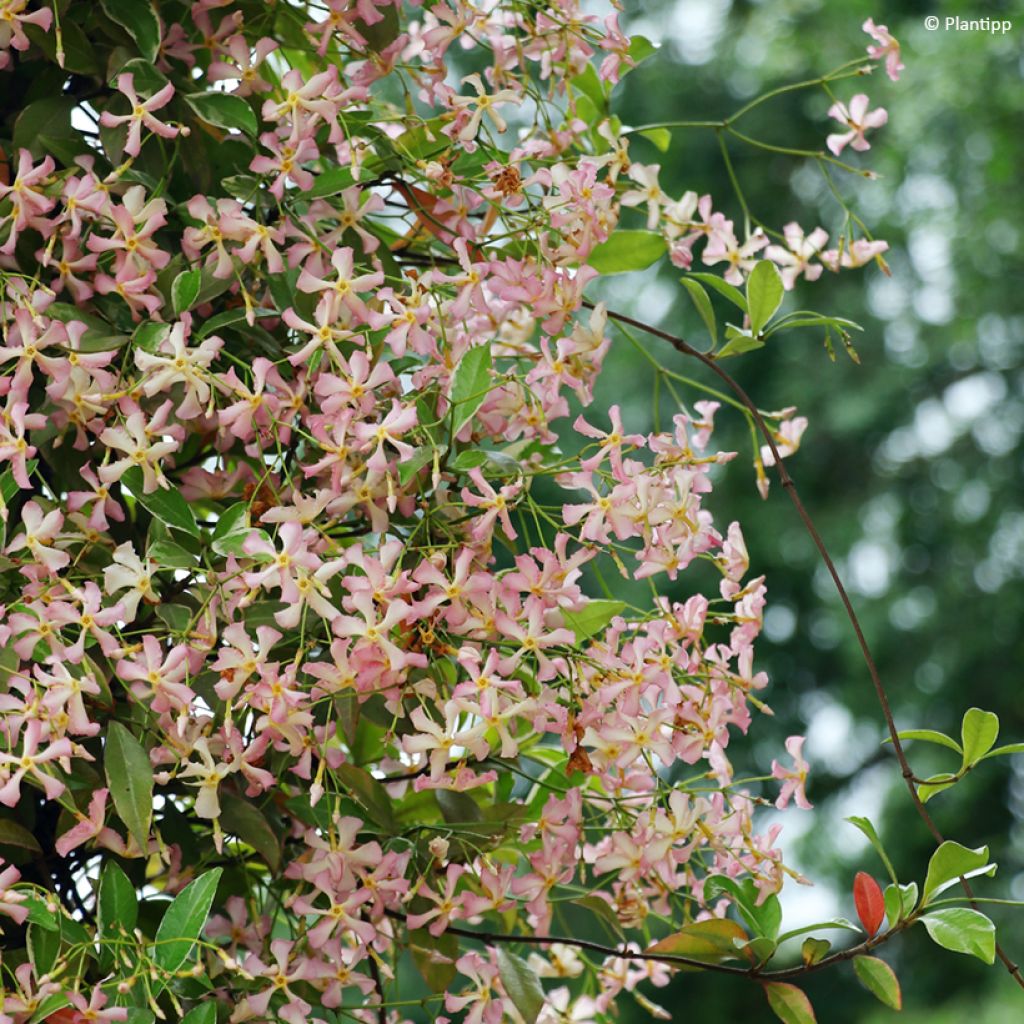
{"x": 45, "y": 127}
{"x": 871, "y": 835}
{"x": 224, "y": 110}
{"x": 169, "y": 555}
{"x": 935, "y": 784}
{"x": 13, "y": 834}
{"x": 950, "y": 862}
{"x": 789, "y": 1003}
{"x": 130, "y": 779}
{"x": 117, "y": 911}
{"x": 139, "y": 19}
{"x": 979, "y": 732}
{"x": 879, "y": 979}
{"x": 764, "y": 294}
{"x": 150, "y": 336}
{"x": 521, "y": 984}
{"x": 592, "y": 617}
{"x": 900, "y": 901}
{"x": 469, "y": 385}
{"x": 166, "y": 503}
{"x": 43, "y": 947}
{"x": 930, "y": 736}
{"x": 764, "y": 919}
{"x": 661, "y": 137}
{"x": 185, "y": 290}
{"x": 626, "y": 251}
{"x": 204, "y": 1013}
{"x": 1009, "y": 748}
{"x": 738, "y": 342}
{"x": 728, "y": 291}
{"x": 243, "y": 819}
{"x": 118, "y": 904}
{"x": 963, "y": 931}
{"x": 703, "y": 305}
{"x": 409, "y": 467}
{"x": 183, "y": 922}
{"x": 370, "y": 793}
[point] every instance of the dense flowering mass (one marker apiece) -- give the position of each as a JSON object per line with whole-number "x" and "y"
{"x": 309, "y": 614}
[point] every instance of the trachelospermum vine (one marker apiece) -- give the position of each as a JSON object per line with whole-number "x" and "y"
{"x": 313, "y": 699}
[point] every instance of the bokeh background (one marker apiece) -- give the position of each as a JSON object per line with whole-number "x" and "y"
{"x": 911, "y": 465}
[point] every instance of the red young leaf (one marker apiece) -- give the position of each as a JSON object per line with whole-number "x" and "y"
{"x": 870, "y": 904}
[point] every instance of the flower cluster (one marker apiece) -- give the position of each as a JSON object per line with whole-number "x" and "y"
{"x": 298, "y": 578}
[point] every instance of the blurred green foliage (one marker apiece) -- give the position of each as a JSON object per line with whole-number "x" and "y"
{"x": 912, "y": 464}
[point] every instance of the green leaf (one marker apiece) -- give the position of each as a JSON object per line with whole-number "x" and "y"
{"x": 224, "y": 110}
{"x": 704, "y": 308}
{"x": 140, "y": 21}
{"x": 601, "y": 910}
{"x": 169, "y": 555}
{"x": 900, "y": 901}
{"x": 950, "y": 862}
{"x": 879, "y": 979}
{"x": 146, "y": 78}
{"x": 738, "y": 341}
{"x": 150, "y": 336}
{"x": 640, "y": 48}
{"x": 710, "y": 941}
{"x": 78, "y": 56}
{"x": 204, "y": 1013}
{"x": 499, "y": 464}
{"x": 929, "y": 736}
{"x": 764, "y": 919}
{"x": 13, "y": 834}
{"x": 48, "y": 1005}
{"x": 521, "y": 985}
{"x": 118, "y": 902}
{"x": 183, "y": 922}
{"x": 185, "y": 290}
{"x": 814, "y": 950}
{"x": 331, "y": 182}
{"x": 130, "y": 779}
{"x": 43, "y": 947}
{"x": 963, "y": 931}
{"x": 592, "y": 617}
{"x": 242, "y": 818}
{"x": 166, "y": 504}
{"x": 764, "y": 294}
{"x": 369, "y": 792}
{"x": 227, "y": 318}
{"x": 626, "y": 251}
{"x": 935, "y": 784}
{"x": 789, "y": 1003}
{"x": 469, "y": 385}
{"x": 733, "y": 294}
{"x": 117, "y": 911}
{"x": 868, "y": 829}
{"x": 661, "y": 137}
{"x": 45, "y": 127}
{"x": 1010, "y": 748}
{"x": 409, "y": 467}
{"x": 232, "y": 530}
{"x": 978, "y": 731}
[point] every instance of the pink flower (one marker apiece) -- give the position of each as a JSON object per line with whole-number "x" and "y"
{"x": 794, "y": 259}
{"x": 858, "y": 119}
{"x": 793, "y": 779}
{"x": 887, "y": 47}
{"x": 142, "y": 114}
